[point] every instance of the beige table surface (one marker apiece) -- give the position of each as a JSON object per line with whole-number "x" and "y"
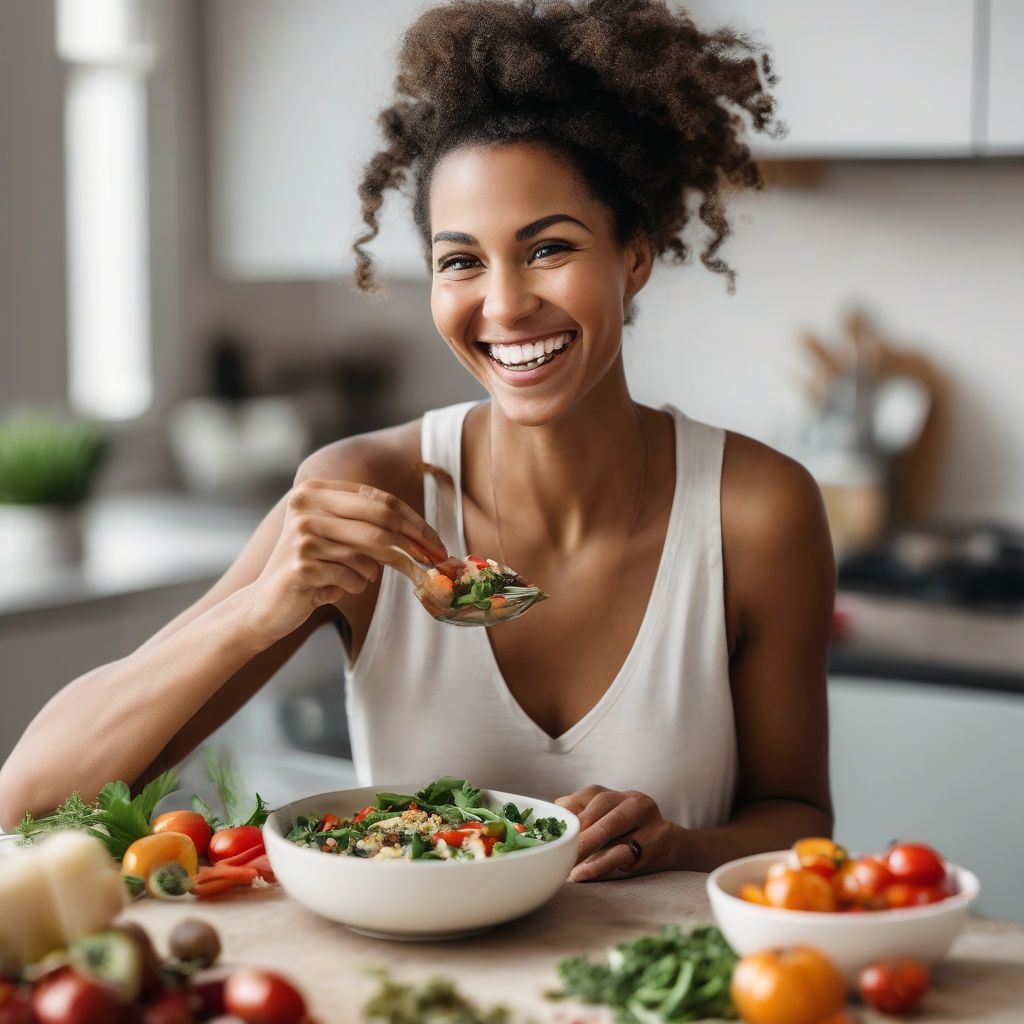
{"x": 982, "y": 979}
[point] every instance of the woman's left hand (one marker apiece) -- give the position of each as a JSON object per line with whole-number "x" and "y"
{"x": 614, "y": 828}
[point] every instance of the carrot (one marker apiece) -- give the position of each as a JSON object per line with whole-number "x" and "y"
{"x": 243, "y": 858}
{"x": 216, "y": 880}
{"x": 263, "y": 868}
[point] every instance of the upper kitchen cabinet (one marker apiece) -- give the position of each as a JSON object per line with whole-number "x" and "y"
{"x": 294, "y": 90}
{"x": 866, "y": 79}
{"x": 1005, "y": 79}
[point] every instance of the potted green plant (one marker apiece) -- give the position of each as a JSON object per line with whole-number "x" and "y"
{"x": 48, "y": 466}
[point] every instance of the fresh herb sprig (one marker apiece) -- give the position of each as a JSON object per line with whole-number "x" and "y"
{"x": 671, "y": 976}
{"x": 116, "y": 818}
{"x": 237, "y": 808}
{"x": 436, "y": 1001}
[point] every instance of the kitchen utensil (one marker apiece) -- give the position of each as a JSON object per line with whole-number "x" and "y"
{"x": 519, "y": 599}
{"x": 418, "y": 900}
{"x": 851, "y": 941}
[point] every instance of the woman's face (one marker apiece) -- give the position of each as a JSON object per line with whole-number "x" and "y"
{"x": 529, "y": 284}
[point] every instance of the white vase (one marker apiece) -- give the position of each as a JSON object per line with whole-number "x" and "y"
{"x": 39, "y": 537}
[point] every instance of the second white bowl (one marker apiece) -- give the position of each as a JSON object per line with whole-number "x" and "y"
{"x": 851, "y": 941}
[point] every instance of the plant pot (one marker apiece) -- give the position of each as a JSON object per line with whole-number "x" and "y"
{"x": 34, "y": 537}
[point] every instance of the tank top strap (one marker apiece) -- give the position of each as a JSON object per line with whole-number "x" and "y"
{"x": 441, "y": 446}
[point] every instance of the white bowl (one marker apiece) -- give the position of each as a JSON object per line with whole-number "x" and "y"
{"x": 400, "y": 899}
{"x": 851, "y": 941}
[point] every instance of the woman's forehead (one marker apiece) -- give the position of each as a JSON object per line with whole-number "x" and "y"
{"x": 498, "y": 189}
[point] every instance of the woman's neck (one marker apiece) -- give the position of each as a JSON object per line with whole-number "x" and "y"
{"x": 567, "y": 480}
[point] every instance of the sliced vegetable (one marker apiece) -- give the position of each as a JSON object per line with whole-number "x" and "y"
{"x": 111, "y": 958}
{"x": 169, "y": 882}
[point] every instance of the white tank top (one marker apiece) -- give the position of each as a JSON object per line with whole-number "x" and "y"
{"x": 426, "y": 699}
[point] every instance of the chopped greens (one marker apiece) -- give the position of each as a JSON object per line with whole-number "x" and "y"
{"x": 238, "y": 809}
{"x": 436, "y": 1001}
{"x": 476, "y": 591}
{"x": 445, "y": 820}
{"x": 116, "y": 818}
{"x": 671, "y": 976}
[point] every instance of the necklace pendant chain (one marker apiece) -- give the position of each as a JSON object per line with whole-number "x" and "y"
{"x": 636, "y": 509}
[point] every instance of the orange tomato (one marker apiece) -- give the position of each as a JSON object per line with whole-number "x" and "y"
{"x": 787, "y": 986}
{"x": 799, "y": 890}
{"x": 820, "y": 855}
{"x": 753, "y": 893}
{"x": 188, "y": 823}
{"x": 150, "y": 852}
{"x": 900, "y": 895}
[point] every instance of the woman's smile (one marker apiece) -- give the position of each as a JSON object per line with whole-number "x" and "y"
{"x": 528, "y": 362}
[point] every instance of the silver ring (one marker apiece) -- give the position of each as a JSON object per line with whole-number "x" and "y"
{"x": 636, "y": 849}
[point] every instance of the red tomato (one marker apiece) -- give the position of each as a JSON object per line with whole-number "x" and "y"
{"x": 170, "y": 1007}
{"x": 893, "y": 986}
{"x": 358, "y": 817}
{"x": 453, "y": 838}
{"x": 330, "y": 822}
{"x": 67, "y": 997}
{"x": 488, "y": 842}
{"x": 262, "y": 997}
{"x": 862, "y": 882}
{"x": 15, "y": 1004}
{"x": 915, "y": 864}
{"x": 480, "y": 563}
{"x": 228, "y": 842}
{"x": 188, "y": 823}
{"x": 900, "y": 895}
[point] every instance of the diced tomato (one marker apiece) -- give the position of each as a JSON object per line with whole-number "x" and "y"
{"x": 330, "y": 822}
{"x": 413, "y": 806}
{"x": 471, "y": 824}
{"x": 520, "y": 827}
{"x": 453, "y": 838}
{"x": 368, "y": 809}
{"x": 488, "y": 842}
{"x": 480, "y": 563}
{"x": 498, "y": 602}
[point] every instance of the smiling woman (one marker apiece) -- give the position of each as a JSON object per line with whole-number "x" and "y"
{"x": 672, "y": 690}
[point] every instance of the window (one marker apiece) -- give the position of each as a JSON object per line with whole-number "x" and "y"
{"x": 109, "y": 324}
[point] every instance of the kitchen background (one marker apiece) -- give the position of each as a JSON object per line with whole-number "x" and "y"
{"x": 176, "y": 204}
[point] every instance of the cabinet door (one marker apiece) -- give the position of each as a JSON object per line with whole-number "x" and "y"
{"x": 939, "y": 765}
{"x": 1005, "y": 122}
{"x": 866, "y": 79}
{"x": 294, "y": 90}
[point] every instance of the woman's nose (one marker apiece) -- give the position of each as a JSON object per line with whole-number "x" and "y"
{"x": 508, "y": 298}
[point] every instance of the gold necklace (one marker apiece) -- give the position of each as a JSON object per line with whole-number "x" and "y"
{"x": 636, "y": 510}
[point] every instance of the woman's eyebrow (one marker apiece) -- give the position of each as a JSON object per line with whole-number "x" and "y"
{"x": 531, "y": 229}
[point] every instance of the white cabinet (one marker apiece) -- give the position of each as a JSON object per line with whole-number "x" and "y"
{"x": 1005, "y": 80}
{"x": 940, "y": 765}
{"x": 294, "y": 90}
{"x": 866, "y": 79}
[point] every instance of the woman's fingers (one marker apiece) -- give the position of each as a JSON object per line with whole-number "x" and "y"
{"x": 575, "y": 802}
{"x": 619, "y": 857}
{"x": 611, "y": 815}
{"x": 342, "y": 554}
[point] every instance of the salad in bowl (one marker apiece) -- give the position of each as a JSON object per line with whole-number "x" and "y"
{"x": 468, "y": 858}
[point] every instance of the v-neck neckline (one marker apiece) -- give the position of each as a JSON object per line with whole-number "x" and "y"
{"x": 565, "y": 741}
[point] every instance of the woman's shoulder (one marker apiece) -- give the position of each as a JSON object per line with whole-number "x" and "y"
{"x": 387, "y": 459}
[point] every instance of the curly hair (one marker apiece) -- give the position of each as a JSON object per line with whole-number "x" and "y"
{"x": 646, "y": 106}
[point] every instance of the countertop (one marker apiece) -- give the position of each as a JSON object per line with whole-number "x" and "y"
{"x": 981, "y": 980}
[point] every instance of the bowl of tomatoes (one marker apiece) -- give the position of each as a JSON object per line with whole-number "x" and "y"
{"x": 857, "y": 909}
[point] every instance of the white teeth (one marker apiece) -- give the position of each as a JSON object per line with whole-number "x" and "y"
{"x": 529, "y": 352}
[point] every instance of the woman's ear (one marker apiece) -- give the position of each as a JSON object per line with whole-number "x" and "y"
{"x": 639, "y": 256}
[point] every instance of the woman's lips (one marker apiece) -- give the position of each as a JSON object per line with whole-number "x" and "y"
{"x": 520, "y": 377}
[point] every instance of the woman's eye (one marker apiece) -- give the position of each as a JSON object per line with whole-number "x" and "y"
{"x": 555, "y": 247}
{"x": 451, "y": 261}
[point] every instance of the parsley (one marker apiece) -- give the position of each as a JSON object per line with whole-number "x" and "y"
{"x": 671, "y": 976}
{"x": 436, "y": 1001}
{"x": 116, "y": 818}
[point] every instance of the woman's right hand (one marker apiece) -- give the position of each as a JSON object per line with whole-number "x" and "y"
{"x": 335, "y": 537}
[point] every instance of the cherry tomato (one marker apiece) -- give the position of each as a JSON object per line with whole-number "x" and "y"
{"x": 900, "y": 895}
{"x": 66, "y": 997}
{"x": 753, "y": 893}
{"x": 15, "y": 1004}
{"x": 861, "y": 882}
{"x": 787, "y": 986}
{"x": 187, "y": 823}
{"x": 799, "y": 890}
{"x": 915, "y": 864}
{"x": 893, "y": 986}
{"x": 227, "y": 842}
{"x": 150, "y": 852}
{"x": 820, "y": 855}
{"x": 262, "y": 997}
